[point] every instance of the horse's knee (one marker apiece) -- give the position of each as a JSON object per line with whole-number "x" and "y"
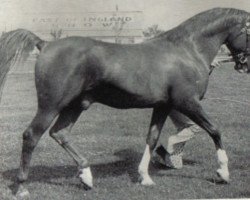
{"x": 32, "y": 135}
{"x": 28, "y": 139}
{"x": 27, "y": 135}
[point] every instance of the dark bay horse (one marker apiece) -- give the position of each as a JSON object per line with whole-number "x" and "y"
{"x": 168, "y": 72}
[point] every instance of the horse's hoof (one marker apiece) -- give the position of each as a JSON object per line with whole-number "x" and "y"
{"x": 224, "y": 175}
{"x": 23, "y": 194}
{"x": 147, "y": 181}
{"x": 86, "y": 177}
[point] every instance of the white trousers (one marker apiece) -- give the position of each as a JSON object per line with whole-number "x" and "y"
{"x": 186, "y": 130}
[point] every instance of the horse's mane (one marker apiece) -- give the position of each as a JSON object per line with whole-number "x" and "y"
{"x": 207, "y": 20}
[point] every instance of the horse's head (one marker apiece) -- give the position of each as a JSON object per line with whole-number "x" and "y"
{"x": 238, "y": 43}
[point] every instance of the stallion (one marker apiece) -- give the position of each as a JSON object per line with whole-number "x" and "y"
{"x": 167, "y": 73}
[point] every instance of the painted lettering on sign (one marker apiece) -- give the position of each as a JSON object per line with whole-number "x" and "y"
{"x": 82, "y": 21}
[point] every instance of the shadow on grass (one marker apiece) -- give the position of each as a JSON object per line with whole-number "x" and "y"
{"x": 127, "y": 164}
{"x": 213, "y": 181}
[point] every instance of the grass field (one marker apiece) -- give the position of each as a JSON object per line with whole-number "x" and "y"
{"x": 114, "y": 140}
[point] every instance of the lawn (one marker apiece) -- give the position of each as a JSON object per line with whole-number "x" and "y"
{"x": 114, "y": 140}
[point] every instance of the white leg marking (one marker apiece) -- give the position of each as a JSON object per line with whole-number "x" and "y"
{"x": 223, "y": 162}
{"x": 143, "y": 168}
{"x": 22, "y": 193}
{"x": 86, "y": 176}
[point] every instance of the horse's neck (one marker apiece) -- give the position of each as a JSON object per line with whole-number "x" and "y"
{"x": 208, "y": 46}
{"x": 210, "y": 37}
{"x": 205, "y": 37}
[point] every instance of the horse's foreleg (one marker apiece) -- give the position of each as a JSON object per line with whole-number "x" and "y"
{"x": 194, "y": 111}
{"x": 63, "y": 125}
{"x": 30, "y": 139}
{"x": 158, "y": 119}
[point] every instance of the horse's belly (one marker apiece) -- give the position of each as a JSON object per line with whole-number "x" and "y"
{"x": 118, "y": 98}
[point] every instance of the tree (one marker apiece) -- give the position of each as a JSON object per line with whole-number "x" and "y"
{"x": 118, "y": 28}
{"x": 152, "y": 31}
{"x": 56, "y": 34}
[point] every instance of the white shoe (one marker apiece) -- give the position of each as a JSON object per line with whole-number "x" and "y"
{"x": 170, "y": 160}
{"x": 174, "y": 161}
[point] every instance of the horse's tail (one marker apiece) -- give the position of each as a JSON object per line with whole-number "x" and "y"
{"x": 15, "y": 46}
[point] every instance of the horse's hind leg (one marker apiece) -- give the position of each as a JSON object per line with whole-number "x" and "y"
{"x": 194, "y": 111}
{"x": 31, "y": 136}
{"x": 63, "y": 125}
{"x": 159, "y": 116}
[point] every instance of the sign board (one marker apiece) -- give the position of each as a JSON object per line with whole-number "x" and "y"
{"x": 104, "y": 24}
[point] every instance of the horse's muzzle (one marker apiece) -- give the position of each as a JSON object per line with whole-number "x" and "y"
{"x": 242, "y": 68}
{"x": 242, "y": 65}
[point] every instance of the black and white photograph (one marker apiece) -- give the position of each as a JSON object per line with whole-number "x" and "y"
{"x": 124, "y": 99}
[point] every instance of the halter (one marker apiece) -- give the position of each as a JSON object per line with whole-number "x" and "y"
{"x": 241, "y": 57}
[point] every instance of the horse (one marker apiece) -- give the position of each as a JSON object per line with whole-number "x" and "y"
{"x": 167, "y": 73}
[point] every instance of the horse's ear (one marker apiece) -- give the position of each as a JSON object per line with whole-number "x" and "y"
{"x": 40, "y": 45}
